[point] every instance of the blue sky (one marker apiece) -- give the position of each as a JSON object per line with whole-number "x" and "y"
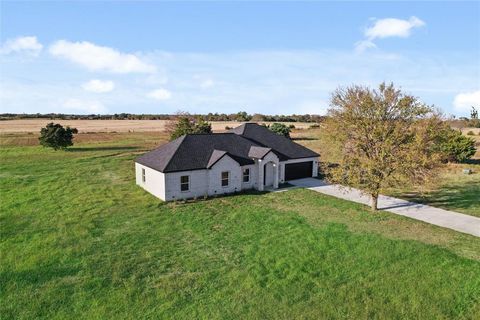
{"x": 265, "y": 57}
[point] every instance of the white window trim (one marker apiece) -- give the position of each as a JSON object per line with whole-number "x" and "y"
{"x": 228, "y": 179}
{"x": 188, "y": 190}
{"x": 243, "y": 175}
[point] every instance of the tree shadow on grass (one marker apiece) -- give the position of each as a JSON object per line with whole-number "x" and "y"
{"x": 304, "y": 138}
{"x": 450, "y": 197}
{"x": 472, "y": 161}
{"x": 89, "y": 149}
{"x": 38, "y": 275}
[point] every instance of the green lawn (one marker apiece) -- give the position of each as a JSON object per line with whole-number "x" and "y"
{"x": 451, "y": 190}
{"x": 80, "y": 240}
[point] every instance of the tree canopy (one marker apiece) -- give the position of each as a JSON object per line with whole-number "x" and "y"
{"x": 55, "y": 136}
{"x": 280, "y": 129}
{"x": 383, "y": 137}
{"x": 456, "y": 146}
{"x": 185, "y": 124}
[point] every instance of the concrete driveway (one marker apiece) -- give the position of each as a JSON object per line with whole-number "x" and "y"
{"x": 439, "y": 217}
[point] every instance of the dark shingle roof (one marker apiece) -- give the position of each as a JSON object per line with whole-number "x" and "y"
{"x": 159, "y": 158}
{"x": 216, "y": 155}
{"x": 258, "y": 152}
{"x": 201, "y": 151}
{"x": 194, "y": 151}
{"x": 282, "y": 146}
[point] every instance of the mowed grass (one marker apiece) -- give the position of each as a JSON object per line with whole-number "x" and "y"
{"x": 451, "y": 190}
{"x": 80, "y": 240}
{"x": 454, "y": 190}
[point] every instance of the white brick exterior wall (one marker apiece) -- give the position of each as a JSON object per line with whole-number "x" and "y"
{"x": 201, "y": 182}
{"x": 198, "y": 180}
{"x": 215, "y": 176}
{"x": 252, "y": 183}
{"x": 208, "y": 181}
{"x": 154, "y": 180}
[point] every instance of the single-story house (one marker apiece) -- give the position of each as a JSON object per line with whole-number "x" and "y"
{"x": 247, "y": 157}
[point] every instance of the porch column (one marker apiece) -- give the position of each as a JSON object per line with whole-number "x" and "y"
{"x": 260, "y": 175}
{"x": 276, "y": 167}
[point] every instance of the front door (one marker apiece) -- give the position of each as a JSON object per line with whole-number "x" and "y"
{"x": 268, "y": 174}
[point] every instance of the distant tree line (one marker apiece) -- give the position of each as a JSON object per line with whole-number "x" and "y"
{"x": 464, "y": 122}
{"x": 239, "y": 116}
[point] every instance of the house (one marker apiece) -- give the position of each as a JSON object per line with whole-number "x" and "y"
{"x": 247, "y": 157}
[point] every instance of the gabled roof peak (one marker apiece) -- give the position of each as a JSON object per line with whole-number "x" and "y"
{"x": 216, "y": 155}
{"x": 258, "y": 152}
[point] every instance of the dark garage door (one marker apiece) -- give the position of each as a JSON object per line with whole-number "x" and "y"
{"x": 298, "y": 170}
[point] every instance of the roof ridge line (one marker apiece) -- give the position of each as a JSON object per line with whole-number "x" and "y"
{"x": 207, "y": 134}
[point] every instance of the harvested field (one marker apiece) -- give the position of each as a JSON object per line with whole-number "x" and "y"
{"x": 34, "y": 125}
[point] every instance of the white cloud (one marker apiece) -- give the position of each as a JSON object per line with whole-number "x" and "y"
{"x": 385, "y": 28}
{"x": 86, "y": 106}
{"x": 160, "y": 94}
{"x": 98, "y": 58}
{"x": 363, "y": 45}
{"x": 99, "y": 86}
{"x": 392, "y": 27}
{"x": 464, "y": 101}
{"x": 22, "y": 44}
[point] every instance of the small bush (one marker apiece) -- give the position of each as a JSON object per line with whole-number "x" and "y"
{"x": 314, "y": 126}
{"x": 470, "y": 133}
{"x": 291, "y": 126}
{"x": 227, "y": 128}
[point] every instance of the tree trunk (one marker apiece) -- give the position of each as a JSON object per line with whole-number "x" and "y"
{"x": 374, "y": 202}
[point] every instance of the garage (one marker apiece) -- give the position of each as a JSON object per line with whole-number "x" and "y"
{"x": 298, "y": 170}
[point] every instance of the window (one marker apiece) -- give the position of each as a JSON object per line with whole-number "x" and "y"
{"x": 143, "y": 175}
{"x": 225, "y": 178}
{"x": 184, "y": 183}
{"x": 246, "y": 175}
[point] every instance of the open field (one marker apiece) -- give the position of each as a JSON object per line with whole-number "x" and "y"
{"x": 476, "y": 131}
{"x": 81, "y": 240}
{"x": 34, "y": 125}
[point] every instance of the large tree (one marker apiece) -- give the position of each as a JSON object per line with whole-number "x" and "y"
{"x": 55, "y": 136}
{"x": 383, "y": 138}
